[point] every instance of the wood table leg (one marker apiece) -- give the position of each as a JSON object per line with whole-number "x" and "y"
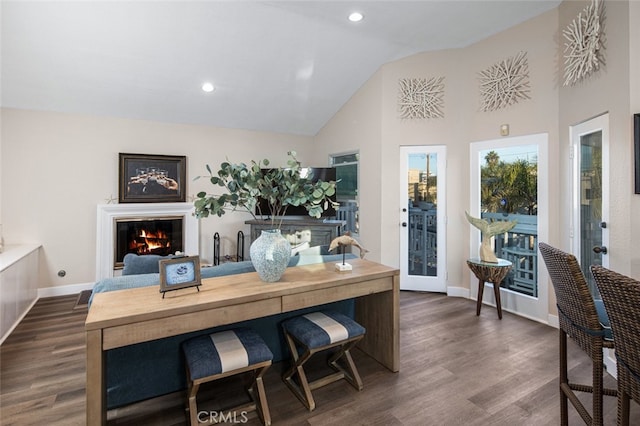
{"x": 96, "y": 394}
{"x": 480, "y": 292}
{"x": 379, "y": 314}
{"x": 496, "y": 291}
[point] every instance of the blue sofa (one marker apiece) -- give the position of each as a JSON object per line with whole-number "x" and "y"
{"x": 150, "y": 369}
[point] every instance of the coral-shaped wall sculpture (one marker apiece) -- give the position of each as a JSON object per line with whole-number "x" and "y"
{"x": 421, "y": 97}
{"x": 584, "y": 45}
{"x": 505, "y": 83}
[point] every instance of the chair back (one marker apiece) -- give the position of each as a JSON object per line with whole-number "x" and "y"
{"x": 577, "y": 312}
{"x": 621, "y": 297}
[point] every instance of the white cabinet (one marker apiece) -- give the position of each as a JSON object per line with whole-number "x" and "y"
{"x": 18, "y": 284}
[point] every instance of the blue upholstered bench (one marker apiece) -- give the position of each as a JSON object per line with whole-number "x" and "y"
{"x": 227, "y": 353}
{"x": 315, "y": 332}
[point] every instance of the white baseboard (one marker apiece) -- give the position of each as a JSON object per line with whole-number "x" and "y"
{"x": 553, "y": 321}
{"x": 458, "y": 292}
{"x": 64, "y": 290}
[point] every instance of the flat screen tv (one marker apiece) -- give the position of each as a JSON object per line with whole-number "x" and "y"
{"x": 325, "y": 174}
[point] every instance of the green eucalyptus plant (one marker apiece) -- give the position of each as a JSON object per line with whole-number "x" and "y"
{"x": 280, "y": 187}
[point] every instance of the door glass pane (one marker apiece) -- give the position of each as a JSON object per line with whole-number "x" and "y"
{"x": 590, "y": 203}
{"x": 346, "y": 166}
{"x": 423, "y": 204}
{"x": 509, "y": 191}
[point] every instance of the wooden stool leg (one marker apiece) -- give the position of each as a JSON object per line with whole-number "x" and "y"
{"x": 302, "y": 391}
{"x": 193, "y": 408}
{"x": 351, "y": 374}
{"x": 262, "y": 405}
{"x": 259, "y": 396}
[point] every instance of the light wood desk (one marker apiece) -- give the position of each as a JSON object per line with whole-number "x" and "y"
{"x": 125, "y": 317}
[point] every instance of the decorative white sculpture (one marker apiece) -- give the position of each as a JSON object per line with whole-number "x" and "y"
{"x": 421, "y": 97}
{"x": 488, "y": 230}
{"x": 584, "y": 45}
{"x": 505, "y": 83}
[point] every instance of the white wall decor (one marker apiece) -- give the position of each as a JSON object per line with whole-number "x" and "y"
{"x": 421, "y": 97}
{"x": 584, "y": 45}
{"x": 505, "y": 83}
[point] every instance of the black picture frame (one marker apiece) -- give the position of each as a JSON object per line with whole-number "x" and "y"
{"x": 636, "y": 147}
{"x": 144, "y": 178}
{"x": 179, "y": 272}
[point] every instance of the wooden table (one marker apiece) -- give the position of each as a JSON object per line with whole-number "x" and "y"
{"x": 489, "y": 272}
{"x": 126, "y": 317}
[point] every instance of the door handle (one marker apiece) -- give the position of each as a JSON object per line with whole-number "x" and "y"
{"x": 600, "y": 249}
{"x": 404, "y": 224}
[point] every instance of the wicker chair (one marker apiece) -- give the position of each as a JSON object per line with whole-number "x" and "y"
{"x": 581, "y": 320}
{"x": 621, "y": 296}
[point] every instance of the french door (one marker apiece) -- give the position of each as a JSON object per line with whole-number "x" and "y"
{"x": 423, "y": 218}
{"x": 589, "y": 229}
{"x": 509, "y": 181}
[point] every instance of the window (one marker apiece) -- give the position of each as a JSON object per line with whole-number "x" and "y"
{"x": 346, "y": 166}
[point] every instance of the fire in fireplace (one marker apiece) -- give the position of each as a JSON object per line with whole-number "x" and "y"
{"x": 144, "y": 236}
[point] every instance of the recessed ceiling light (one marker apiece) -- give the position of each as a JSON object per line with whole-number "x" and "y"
{"x": 356, "y": 17}
{"x": 208, "y": 87}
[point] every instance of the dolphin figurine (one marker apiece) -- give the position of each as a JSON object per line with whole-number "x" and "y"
{"x": 347, "y": 240}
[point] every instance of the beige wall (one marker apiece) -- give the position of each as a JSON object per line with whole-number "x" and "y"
{"x": 608, "y": 90}
{"x": 463, "y": 123}
{"x": 552, "y": 109}
{"x": 57, "y": 168}
{"x": 356, "y": 127}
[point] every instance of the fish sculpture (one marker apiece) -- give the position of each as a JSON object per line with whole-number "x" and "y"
{"x": 488, "y": 230}
{"x": 347, "y": 240}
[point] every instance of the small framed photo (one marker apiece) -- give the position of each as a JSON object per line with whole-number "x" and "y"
{"x": 179, "y": 272}
{"x": 146, "y": 178}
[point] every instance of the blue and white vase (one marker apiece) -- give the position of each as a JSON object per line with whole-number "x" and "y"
{"x": 270, "y": 254}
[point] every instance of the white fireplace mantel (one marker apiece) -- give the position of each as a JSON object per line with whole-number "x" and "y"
{"x": 109, "y": 213}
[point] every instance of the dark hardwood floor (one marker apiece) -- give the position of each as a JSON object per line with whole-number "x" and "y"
{"x": 456, "y": 369}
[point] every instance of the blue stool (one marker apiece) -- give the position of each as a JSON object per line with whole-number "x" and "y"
{"x": 212, "y": 357}
{"x": 316, "y": 332}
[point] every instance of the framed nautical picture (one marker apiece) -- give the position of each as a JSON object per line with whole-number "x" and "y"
{"x": 179, "y": 272}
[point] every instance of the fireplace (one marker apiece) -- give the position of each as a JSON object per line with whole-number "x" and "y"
{"x": 143, "y": 236}
{"x": 116, "y": 220}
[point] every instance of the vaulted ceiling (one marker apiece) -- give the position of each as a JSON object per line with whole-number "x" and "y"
{"x": 283, "y": 66}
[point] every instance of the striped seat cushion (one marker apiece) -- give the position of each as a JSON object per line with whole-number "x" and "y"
{"x": 318, "y": 329}
{"x": 224, "y": 351}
